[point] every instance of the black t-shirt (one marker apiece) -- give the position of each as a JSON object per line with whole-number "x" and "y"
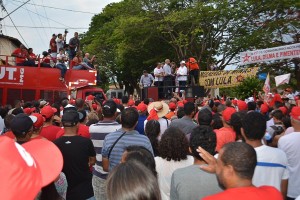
{"x": 76, "y": 151}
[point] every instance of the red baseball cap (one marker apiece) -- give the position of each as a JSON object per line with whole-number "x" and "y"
{"x": 234, "y": 101}
{"x": 28, "y": 111}
{"x": 295, "y": 113}
{"x": 242, "y": 105}
{"x": 180, "y": 104}
{"x": 94, "y": 106}
{"x": 227, "y": 113}
{"x": 283, "y": 109}
{"x": 264, "y": 108}
{"x": 72, "y": 101}
{"x": 40, "y": 120}
{"x": 90, "y": 97}
{"x": 142, "y": 107}
{"x": 26, "y": 169}
{"x": 48, "y": 111}
{"x": 172, "y": 106}
{"x": 130, "y": 102}
{"x": 117, "y": 101}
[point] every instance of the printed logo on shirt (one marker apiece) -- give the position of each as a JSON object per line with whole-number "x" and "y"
{"x": 68, "y": 142}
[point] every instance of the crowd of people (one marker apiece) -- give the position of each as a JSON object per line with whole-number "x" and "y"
{"x": 152, "y": 150}
{"x": 61, "y": 55}
{"x": 169, "y": 78}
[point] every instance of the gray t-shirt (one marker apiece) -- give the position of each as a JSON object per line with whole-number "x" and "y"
{"x": 185, "y": 124}
{"x": 192, "y": 183}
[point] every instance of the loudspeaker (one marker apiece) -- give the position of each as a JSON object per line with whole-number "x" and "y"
{"x": 195, "y": 91}
{"x": 152, "y": 92}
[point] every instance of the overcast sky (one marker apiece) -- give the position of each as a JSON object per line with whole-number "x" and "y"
{"x": 48, "y": 20}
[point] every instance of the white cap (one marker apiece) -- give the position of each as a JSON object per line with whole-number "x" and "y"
{"x": 182, "y": 62}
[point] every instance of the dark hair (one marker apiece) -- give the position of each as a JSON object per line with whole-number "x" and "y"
{"x": 146, "y": 101}
{"x": 251, "y": 105}
{"x": 49, "y": 192}
{"x": 137, "y": 102}
{"x": 278, "y": 114}
{"x": 278, "y": 104}
{"x": 180, "y": 112}
{"x": 286, "y": 120}
{"x": 152, "y": 130}
{"x": 132, "y": 180}
{"x": 236, "y": 122}
{"x": 125, "y": 99}
{"x": 17, "y": 111}
{"x": 205, "y": 117}
{"x": 7, "y": 120}
{"x": 79, "y": 103}
{"x": 143, "y": 155}
{"x": 205, "y": 137}
{"x": 217, "y": 121}
{"x": 129, "y": 117}
{"x": 241, "y": 156}
{"x": 83, "y": 112}
{"x": 109, "y": 108}
{"x": 173, "y": 145}
{"x": 64, "y": 102}
{"x": 189, "y": 107}
{"x": 254, "y": 125}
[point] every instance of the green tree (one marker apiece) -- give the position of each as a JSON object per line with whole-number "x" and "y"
{"x": 249, "y": 87}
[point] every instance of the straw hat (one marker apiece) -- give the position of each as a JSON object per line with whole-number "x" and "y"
{"x": 161, "y": 108}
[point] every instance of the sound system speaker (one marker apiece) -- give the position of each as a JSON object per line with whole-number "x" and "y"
{"x": 195, "y": 91}
{"x": 152, "y": 92}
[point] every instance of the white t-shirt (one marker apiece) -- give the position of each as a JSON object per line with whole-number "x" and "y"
{"x": 290, "y": 144}
{"x": 271, "y": 167}
{"x": 2, "y": 126}
{"x": 158, "y": 71}
{"x": 182, "y": 71}
{"x": 165, "y": 170}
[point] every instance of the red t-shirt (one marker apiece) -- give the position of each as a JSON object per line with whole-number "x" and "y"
{"x": 248, "y": 193}
{"x": 53, "y": 45}
{"x": 49, "y": 132}
{"x": 83, "y": 131}
{"x": 276, "y": 97}
{"x": 224, "y": 136}
{"x": 192, "y": 64}
{"x": 10, "y": 135}
{"x": 32, "y": 56}
{"x": 21, "y": 53}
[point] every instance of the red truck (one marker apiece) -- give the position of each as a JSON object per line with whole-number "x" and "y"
{"x": 33, "y": 83}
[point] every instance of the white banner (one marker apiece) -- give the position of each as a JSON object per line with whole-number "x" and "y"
{"x": 282, "y": 79}
{"x": 276, "y": 53}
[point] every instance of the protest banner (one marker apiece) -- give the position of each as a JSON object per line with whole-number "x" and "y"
{"x": 282, "y": 79}
{"x": 271, "y": 54}
{"x": 225, "y": 78}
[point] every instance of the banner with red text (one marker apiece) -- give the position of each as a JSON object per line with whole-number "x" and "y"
{"x": 271, "y": 54}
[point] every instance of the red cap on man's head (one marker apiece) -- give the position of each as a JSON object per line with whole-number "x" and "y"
{"x": 172, "y": 106}
{"x": 26, "y": 169}
{"x": 142, "y": 107}
{"x": 130, "y": 102}
{"x": 264, "y": 108}
{"x": 283, "y": 109}
{"x": 48, "y": 111}
{"x": 90, "y": 98}
{"x": 117, "y": 101}
{"x": 227, "y": 113}
{"x": 242, "y": 105}
{"x": 180, "y": 104}
{"x": 40, "y": 120}
{"x": 295, "y": 113}
{"x": 28, "y": 111}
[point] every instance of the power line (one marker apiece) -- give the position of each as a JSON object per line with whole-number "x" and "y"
{"x": 86, "y": 12}
{"x": 46, "y": 27}
{"x": 45, "y": 17}
{"x": 8, "y": 14}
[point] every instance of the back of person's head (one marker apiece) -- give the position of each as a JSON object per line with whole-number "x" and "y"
{"x": 70, "y": 119}
{"x": 7, "y": 120}
{"x": 17, "y": 111}
{"x": 254, "y": 126}
{"x": 21, "y": 124}
{"x": 204, "y": 137}
{"x": 132, "y": 180}
{"x": 236, "y": 122}
{"x": 251, "y": 105}
{"x": 180, "y": 112}
{"x": 146, "y": 101}
{"x": 64, "y": 102}
{"x": 141, "y": 154}
{"x": 152, "y": 128}
{"x": 278, "y": 104}
{"x": 173, "y": 145}
{"x": 83, "y": 117}
{"x": 189, "y": 108}
{"x": 129, "y": 117}
{"x": 125, "y": 99}
{"x": 17, "y": 103}
{"x": 205, "y": 117}
{"x": 241, "y": 156}
{"x": 109, "y": 109}
{"x": 217, "y": 121}
{"x": 221, "y": 108}
{"x": 277, "y": 114}
{"x": 79, "y": 103}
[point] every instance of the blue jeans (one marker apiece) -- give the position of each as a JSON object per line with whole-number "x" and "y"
{"x": 63, "y": 69}
{"x": 77, "y": 67}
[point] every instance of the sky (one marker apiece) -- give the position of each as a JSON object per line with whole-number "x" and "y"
{"x": 48, "y": 20}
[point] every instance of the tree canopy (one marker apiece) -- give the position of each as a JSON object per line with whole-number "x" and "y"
{"x": 132, "y": 35}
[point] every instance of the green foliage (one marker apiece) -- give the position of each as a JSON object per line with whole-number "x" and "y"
{"x": 249, "y": 87}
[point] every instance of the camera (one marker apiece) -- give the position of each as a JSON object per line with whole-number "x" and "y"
{"x": 66, "y": 31}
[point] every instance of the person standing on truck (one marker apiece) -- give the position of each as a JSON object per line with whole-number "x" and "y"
{"x": 22, "y": 56}
{"x": 53, "y": 46}
{"x": 73, "y": 46}
{"x": 61, "y": 59}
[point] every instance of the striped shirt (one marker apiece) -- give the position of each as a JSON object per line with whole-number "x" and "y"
{"x": 130, "y": 138}
{"x": 98, "y": 132}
